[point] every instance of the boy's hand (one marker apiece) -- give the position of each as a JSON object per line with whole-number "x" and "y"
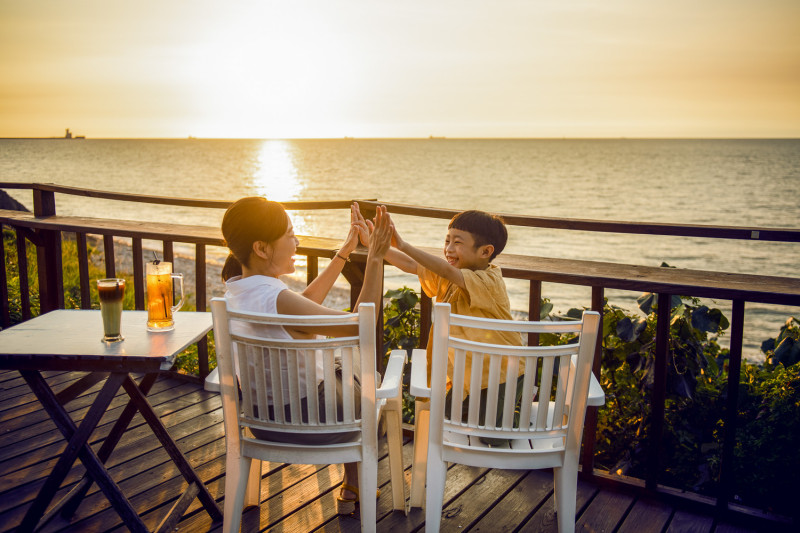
{"x": 397, "y": 241}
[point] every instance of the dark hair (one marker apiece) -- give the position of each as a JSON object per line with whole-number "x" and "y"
{"x": 484, "y": 227}
{"x": 247, "y": 221}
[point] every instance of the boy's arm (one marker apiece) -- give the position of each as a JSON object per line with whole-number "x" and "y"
{"x": 395, "y": 258}
{"x": 437, "y": 265}
{"x": 402, "y": 261}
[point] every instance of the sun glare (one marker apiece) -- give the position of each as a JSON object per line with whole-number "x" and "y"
{"x": 276, "y": 177}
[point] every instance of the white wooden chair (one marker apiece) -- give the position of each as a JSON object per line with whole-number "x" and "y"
{"x": 237, "y": 336}
{"x": 555, "y": 392}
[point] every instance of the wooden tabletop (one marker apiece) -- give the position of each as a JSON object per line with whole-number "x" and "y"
{"x": 71, "y": 340}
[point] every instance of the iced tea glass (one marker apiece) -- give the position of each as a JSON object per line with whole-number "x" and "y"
{"x": 160, "y": 296}
{"x": 111, "y": 292}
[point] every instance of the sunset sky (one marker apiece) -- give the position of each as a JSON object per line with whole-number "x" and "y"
{"x": 412, "y": 68}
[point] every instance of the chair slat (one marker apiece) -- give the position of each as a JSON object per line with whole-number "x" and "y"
{"x": 512, "y": 371}
{"x": 330, "y": 386}
{"x": 276, "y": 385}
{"x": 294, "y": 375}
{"x": 244, "y": 368}
{"x": 561, "y": 391}
{"x": 457, "y": 397}
{"x": 312, "y": 378}
{"x": 545, "y": 387}
{"x": 492, "y": 390}
{"x": 348, "y": 400}
{"x": 475, "y": 374}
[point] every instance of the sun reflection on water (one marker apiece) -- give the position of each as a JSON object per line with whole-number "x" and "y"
{"x": 276, "y": 178}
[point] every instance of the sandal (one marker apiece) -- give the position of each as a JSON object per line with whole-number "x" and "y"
{"x": 347, "y": 506}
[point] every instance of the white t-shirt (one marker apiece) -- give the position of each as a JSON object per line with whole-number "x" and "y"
{"x": 260, "y": 294}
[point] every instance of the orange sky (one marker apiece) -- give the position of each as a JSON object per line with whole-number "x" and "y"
{"x": 317, "y": 68}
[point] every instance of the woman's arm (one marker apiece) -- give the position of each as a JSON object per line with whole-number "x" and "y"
{"x": 379, "y": 242}
{"x": 291, "y": 303}
{"x": 319, "y": 288}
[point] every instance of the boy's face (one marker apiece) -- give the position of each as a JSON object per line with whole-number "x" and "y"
{"x": 461, "y": 252}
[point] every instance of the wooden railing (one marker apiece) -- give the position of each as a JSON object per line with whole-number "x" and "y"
{"x": 44, "y": 228}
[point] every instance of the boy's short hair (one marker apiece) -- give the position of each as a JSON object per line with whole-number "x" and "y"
{"x": 484, "y": 227}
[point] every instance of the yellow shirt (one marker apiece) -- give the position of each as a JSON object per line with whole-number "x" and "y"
{"x": 485, "y": 297}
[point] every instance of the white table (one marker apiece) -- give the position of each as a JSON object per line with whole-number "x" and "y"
{"x": 70, "y": 340}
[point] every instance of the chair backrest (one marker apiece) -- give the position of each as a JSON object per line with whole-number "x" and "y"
{"x": 279, "y": 376}
{"x": 553, "y": 382}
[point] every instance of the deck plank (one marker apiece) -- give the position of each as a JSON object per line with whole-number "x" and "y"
{"x": 294, "y": 498}
{"x": 647, "y": 516}
{"x": 688, "y": 522}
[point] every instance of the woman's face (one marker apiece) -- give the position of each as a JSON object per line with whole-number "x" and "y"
{"x": 283, "y": 250}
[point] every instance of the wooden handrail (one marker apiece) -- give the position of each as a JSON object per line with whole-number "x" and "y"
{"x": 605, "y": 226}
{"x": 728, "y": 286}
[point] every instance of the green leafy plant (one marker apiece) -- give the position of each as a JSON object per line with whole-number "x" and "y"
{"x": 401, "y": 323}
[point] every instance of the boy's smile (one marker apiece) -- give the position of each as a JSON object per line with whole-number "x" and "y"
{"x": 461, "y": 252}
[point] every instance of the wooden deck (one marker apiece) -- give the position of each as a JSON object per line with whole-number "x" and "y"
{"x": 296, "y": 498}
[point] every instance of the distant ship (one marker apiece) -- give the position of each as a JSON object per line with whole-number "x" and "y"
{"x": 68, "y": 135}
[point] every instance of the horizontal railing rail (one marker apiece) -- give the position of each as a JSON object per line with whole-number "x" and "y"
{"x": 44, "y": 228}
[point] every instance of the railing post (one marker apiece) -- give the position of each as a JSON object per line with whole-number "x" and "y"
{"x": 659, "y": 390}
{"x": 5, "y": 312}
{"x": 200, "y": 305}
{"x": 48, "y": 255}
{"x": 24, "y": 282}
{"x": 83, "y": 270}
{"x": 138, "y": 273}
{"x": 590, "y": 425}
{"x": 312, "y": 268}
{"x": 534, "y": 308}
{"x": 425, "y": 308}
{"x": 726, "y": 479}
{"x": 108, "y": 256}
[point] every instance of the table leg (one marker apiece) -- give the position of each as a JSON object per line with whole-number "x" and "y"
{"x": 172, "y": 449}
{"x": 69, "y": 504}
{"x": 77, "y": 448}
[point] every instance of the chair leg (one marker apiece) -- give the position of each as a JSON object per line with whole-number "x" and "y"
{"x": 237, "y": 472}
{"x": 434, "y": 497}
{"x": 419, "y": 464}
{"x": 367, "y": 488}
{"x": 252, "y": 496}
{"x": 565, "y": 481}
{"x": 394, "y": 434}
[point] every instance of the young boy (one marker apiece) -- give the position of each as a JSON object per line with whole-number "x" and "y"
{"x": 467, "y": 280}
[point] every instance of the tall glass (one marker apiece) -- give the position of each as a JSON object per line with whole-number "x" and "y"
{"x": 160, "y": 296}
{"x": 111, "y": 292}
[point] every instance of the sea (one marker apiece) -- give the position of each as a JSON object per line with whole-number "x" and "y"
{"x": 721, "y": 182}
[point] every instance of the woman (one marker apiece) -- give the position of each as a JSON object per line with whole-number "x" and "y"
{"x": 261, "y": 239}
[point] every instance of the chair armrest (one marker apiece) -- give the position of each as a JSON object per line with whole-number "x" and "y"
{"x": 393, "y": 377}
{"x": 596, "y": 395}
{"x": 419, "y": 374}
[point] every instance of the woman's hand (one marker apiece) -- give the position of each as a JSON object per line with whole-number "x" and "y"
{"x": 381, "y": 238}
{"x": 363, "y": 225}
